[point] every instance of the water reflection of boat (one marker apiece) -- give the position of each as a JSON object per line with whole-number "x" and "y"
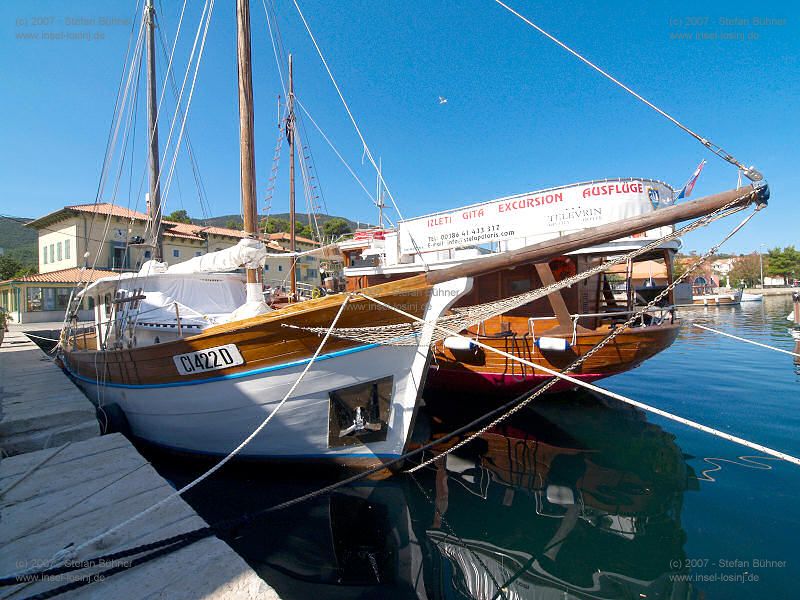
{"x": 580, "y": 499}
{"x": 589, "y": 508}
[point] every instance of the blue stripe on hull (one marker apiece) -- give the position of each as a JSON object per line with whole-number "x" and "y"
{"x": 288, "y": 365}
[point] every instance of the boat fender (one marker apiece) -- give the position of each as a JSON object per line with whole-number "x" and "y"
{"x": 551, "y": 343}
{"x": 559, "y": 494}
{"x": 456, "y": 342}
{"x": 113, "y": 420}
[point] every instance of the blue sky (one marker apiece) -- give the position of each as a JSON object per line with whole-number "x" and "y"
{"x": 521, "y": 113}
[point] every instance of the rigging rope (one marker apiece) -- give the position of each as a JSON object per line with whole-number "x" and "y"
{"x": 64, "y": 555}
{"x": 741, "y": 339}
{"x": 465, "y": 317}
{"x": 367, "y": 151}
{"x": 750, "y": 172}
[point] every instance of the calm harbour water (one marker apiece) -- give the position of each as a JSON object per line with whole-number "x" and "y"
{"x": 577, "y": 497}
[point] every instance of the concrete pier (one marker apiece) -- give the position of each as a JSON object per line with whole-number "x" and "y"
{"x": 66, "y": 484}
{"x": 39, "y": 406}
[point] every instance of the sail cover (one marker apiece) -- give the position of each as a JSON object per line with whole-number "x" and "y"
{"x": 248, "y": 254}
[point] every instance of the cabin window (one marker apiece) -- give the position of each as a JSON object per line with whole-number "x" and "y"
{"x": 176, "y": 253}
{"x": 198, "y": 253}
{"x": 108, "y": 305}
{"x": 518, "y": 285}
{"x": 280, "y": 267}
{"x": 148, "y": 254}
{"x": 360, "y": 413}
{"x": 66, "y": 249}
{"x": 266, "y": 267}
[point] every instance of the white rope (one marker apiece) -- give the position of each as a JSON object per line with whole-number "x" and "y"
{"x": 66, "y": 554}
{"x": 590, "y": 386}
{"x": 165, "y": 194}
{"x": 741, "y": 339}
{"x": 335, "y": 151}
{"x": 751, "y": 173}
{"x": 367, "y": 151}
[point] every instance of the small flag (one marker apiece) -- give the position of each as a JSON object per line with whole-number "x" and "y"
{"x": 687, "y": 189}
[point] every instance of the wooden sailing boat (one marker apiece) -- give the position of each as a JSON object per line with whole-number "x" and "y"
{"x": 204, "y": 389}
{"x": 551, "y": 331}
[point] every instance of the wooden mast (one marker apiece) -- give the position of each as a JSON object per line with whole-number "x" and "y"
{"x": 290, "y": 135}
{"x": 247, "y": 160}
{"x": 154, "y": 204}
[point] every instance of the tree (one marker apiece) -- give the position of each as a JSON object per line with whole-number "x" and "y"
{"x": 9, "y": 267}
{"x": 336, "y": 227}
{"x": 273, "y": 225}
{"x": 784, "y": 263}
{"x": 180, "y": 216}
{"x": 234, "y": 224}
{"x": 746, "y": 269}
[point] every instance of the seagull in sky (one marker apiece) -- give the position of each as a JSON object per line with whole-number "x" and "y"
{"x": 442, "y": 100}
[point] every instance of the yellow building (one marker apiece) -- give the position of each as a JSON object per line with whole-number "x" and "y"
{"x": 104, "y": 236}
{"x": 108, "y": 234}
{"x": 276, "y": 271}
{"x": 44, "y": 296}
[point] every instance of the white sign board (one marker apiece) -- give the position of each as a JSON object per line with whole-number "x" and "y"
{"x": 537, "y": 216}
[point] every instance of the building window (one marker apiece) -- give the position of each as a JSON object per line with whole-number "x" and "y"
{"x": 58, "y": 251}
{"x": 34, "y": 299}
{"x": 66, "y": 249}
{"x": 176, "y": 253}
{"x": 52, "y": 253}
{"x": 312, "y": 273}
{"x": 44, "y": 254}
{"x": 62, "y": 298}
{"x": 280, "y": 267}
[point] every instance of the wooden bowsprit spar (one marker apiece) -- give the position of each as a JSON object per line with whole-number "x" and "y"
{"x": 594, "y": 236}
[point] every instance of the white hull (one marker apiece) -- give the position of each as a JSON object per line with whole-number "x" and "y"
{"x": 751, "y": 297}
{"x": 215, "y": 416}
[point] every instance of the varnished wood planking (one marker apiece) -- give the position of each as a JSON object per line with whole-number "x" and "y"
{"x": 263, "y": 341}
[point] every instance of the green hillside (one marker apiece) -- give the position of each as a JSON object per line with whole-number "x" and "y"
{"x": 224, "y": 220}
{"x": 19, "y": 242}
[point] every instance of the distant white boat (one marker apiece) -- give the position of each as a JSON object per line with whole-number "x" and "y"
{"x": 751, "y": 297}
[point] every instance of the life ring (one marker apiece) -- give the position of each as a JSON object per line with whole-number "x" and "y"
{"x": 563, "y": 267}
{"x": 317, "y": 292}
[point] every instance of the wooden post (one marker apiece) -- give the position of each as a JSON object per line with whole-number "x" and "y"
{"x": 154, "y": 204}
{"x": 247, "y": 158}
{"x": 796, "y": 300}
{"x": 290, "y": 135}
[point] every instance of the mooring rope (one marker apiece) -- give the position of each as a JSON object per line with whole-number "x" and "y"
{"x": 563, "y": 375}
{"x": 65, "y": 554}
{"x": 750, "y": 172}
{"x": 741, "y": 339}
